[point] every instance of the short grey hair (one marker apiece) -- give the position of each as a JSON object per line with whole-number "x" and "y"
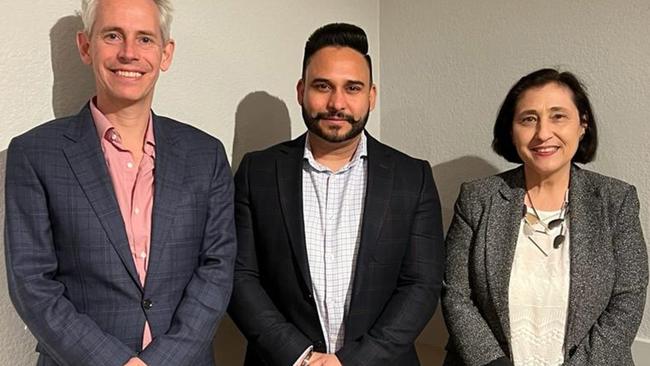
{"x": 89, "y": 11}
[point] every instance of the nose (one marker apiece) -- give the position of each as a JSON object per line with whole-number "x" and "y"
{"x": 128, "y": 51}
{"x": 544, "y": 129}
{"x": 336, "y": 101}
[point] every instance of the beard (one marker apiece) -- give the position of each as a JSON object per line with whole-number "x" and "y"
{"x": 331, "y": 134}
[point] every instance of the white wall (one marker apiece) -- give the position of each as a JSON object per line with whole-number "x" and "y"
{"x": 234, "y": 75}
{"x": 226, "y": 51}
{"x": 447, "y": 65}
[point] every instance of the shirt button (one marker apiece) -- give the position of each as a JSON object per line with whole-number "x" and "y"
{"x": 143, "y": 255}
{"x": 129, "y": 165}
{"x": 137, "y": 211}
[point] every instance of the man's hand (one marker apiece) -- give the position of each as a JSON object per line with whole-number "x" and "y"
{"x": 135, "y": 362}
{"x": 324, "y": 359}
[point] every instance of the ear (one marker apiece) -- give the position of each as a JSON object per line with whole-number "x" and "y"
{"x": 300, "y": 90}
{"x": 372, "y": 96}
{"x": 83, "y": 44}
{"x": 167, "y": 55}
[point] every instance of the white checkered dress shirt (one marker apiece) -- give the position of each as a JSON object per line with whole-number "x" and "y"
{"x": 332, "y": 209}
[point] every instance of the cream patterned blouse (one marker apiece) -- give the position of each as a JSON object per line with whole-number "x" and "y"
{"x": 539, "y": 294}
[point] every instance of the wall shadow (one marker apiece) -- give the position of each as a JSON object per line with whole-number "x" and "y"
{"x": 448, "y": 176}
{"x": 261, "y": 120}
{"x": 74, "y": 82}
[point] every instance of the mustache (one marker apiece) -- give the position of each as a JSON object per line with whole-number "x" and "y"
{"x": 336, "y": 115}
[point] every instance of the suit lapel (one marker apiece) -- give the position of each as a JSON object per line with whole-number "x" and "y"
{"x": 168, "y": 180}
{"x": 505, "y": 213}
{"x": 379, "y": 189}
{"x": 585, "y": 223}
{"x": 378, "y": 193}
{"x": 87, "y": 162}
{"x": 289, "y": 181}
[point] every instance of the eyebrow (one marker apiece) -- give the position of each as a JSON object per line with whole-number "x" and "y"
{"x": 533, "y": 111}
{"x": 121, "y": 30}
{"x": 527, "y": 111}
{"x": 111, "y": 29}
{"x": 356, "y": 82}
{"x": 353, "y": 82}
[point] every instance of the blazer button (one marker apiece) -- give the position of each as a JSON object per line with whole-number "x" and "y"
{"x": 147, "y": 304}
{"x": 319, "y": 346}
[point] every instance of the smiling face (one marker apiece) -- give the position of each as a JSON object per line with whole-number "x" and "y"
{"x": 546, "y": 129}
{"x": 126, "y": 51}
{"x": 336, "y": 94}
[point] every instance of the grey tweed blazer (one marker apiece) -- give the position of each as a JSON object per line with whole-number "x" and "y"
{"x": 609, "y": 269}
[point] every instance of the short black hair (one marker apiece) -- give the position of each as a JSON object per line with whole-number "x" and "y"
{"x": 502, "y": 142}
{"x": 337, "y": 35}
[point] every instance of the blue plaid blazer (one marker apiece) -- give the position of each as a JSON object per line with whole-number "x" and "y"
{"x": 70, "y": 271}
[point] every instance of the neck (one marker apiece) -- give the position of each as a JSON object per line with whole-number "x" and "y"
{"x": 547, "y": 192}
{"x": 333, "y": 155}
{"x": 129, "y": 119}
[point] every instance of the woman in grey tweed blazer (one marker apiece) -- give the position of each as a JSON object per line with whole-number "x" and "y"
{"x": 546, "y": 123}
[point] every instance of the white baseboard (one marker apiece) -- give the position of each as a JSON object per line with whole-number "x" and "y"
{"x": 641, "y": 352}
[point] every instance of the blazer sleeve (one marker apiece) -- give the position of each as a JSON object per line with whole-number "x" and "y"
{"x": 470, "y": 334}
{"x": 251, "y": 308}
{"x": 418, "y": 288}
{"x": 67, "y": 336}
{"x": 206, "y": 296}
{"x": 611, "y": 337}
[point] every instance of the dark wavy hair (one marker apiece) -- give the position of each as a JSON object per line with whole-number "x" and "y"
{"x": 502, "y": 142}
{"x": 338, "y": 35}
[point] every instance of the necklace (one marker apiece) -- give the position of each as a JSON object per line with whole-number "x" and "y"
{"x": 535, "y": 218}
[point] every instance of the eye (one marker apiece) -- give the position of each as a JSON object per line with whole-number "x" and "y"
{"x": 147, "y": 40}
{"x": 558, "y": 116}
{"x": 528, "y": 119}
{"x": 321, "y": 86}
{"x": 354, "y": 88}
{"x": 112, "y": 36}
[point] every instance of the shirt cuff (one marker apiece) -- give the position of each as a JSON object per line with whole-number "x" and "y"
{"x": 302, "y": 357}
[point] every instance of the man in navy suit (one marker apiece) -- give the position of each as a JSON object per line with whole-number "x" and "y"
{"x": 340, "y": 256}
{"x": 120, "y": 236}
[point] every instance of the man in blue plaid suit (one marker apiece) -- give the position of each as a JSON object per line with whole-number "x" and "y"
{"x": 120, "y": 237}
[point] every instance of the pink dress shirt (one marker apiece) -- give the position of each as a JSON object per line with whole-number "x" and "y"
{"x": 134, "y": 186}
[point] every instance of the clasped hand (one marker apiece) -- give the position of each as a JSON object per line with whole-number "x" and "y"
{"x": 324, "y": 359}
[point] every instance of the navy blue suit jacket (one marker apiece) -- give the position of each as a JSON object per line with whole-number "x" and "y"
{"x": 71, "y": 275}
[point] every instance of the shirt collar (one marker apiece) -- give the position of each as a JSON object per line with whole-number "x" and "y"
{"x": 106, "y": 130}
{"x": 359, "y": 153}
